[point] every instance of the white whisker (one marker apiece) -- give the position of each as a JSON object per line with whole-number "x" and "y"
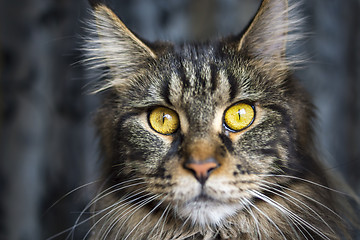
{"x": 284, "y": 210}
{"x": 95, "y": 200}
{"x": 249, "y": 210}
{"x": 116, "y": 214}
{"x": 162, "y": 217}
{"x": 69, "y": 193}
{"x": 307, "y": 181}
{"x": 266, "y": 216}
{"x": 62, "y": 198}
{"x": 307, "y": 197}
{"x": 289, "y": 197}
{"x": 140, "y": 205}
{"x": 142, "y": 220}
{"x": 114, "y": 207}
{"x": 291, "y": 218}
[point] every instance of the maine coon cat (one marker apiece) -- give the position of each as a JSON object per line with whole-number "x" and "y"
{"x": 209, "y": 140}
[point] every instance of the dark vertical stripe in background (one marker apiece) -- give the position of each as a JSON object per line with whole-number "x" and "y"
{"x": 47, "y": 141}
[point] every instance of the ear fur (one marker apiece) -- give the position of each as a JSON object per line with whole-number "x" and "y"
{"x": 94, "y": 3}
{"x": 115, "y": 47}
{"x": 268, "y": 35}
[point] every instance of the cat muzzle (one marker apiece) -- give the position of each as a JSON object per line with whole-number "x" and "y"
{"x": 201, "y": 169}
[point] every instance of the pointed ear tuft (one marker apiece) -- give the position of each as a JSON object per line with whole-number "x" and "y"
{"x": 116, "y": 48}
{"x": 94, "y": 3}
{"x": 272, "y": 29}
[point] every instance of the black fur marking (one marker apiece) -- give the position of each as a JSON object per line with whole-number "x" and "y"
{"x": 222, "y": 150}
{"x": 286, "y": 119}
{"x": 201, "y": 83}
{"x": 278, "y": 163}
{"x": 165, "y": 92}
{"x": 161, "y": 172}
{"x": 286, "y": 122}
{"x": 174, "y": 150}
{"x": 240, "y": 168}
{"x": 214, "y": 80}
{"x": 234, "y": 86}
{"x": 269, "y": 152}
{"x": 120, "y": 123}
{"x": 183, "y": 79}
{"x": 227, "y": 142}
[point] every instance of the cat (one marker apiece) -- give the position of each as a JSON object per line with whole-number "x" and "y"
{"x": 210, "y": 140}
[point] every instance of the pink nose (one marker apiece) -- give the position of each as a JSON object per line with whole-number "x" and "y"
{"x": 201, "y": 169}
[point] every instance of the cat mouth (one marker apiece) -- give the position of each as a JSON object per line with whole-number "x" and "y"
{"x": 205, "y": 198}
{"x": 206, "y": 210}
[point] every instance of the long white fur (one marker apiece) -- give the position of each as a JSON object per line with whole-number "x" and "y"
{"x": 113, "y": 48}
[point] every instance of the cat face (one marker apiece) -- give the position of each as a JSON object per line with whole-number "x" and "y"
{"x": 198, "y": 89}
{"x": 197, "y": 129}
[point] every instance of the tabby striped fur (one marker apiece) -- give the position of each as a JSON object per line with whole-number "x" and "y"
{"x": 270, "y": 184}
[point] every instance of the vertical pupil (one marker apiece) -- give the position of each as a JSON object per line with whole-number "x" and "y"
{"x": 165, "y": 116}
{"x": 240, "y": 112}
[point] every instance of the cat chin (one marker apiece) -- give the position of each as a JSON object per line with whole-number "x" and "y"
{"x": 208, "y": 213}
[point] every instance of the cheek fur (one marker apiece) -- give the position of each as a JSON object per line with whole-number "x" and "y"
{"x": 141, "y": 146}
{"x": 266, "y": 147}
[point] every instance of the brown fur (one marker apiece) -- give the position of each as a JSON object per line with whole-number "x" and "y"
{"x": 269, "y": 183}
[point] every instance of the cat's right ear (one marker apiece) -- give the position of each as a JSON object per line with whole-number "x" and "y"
{"x": 274, "y": 27}
{"x": 114, "y": 47}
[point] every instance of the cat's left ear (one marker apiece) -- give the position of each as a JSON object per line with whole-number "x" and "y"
{"x": 269, "y": 33}
{"x": 115, "y": 47}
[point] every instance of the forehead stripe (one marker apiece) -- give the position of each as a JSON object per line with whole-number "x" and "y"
{"x": 213, "y": 78}
{"x": 165, "y": 91}
{"x": 182, "y": 76}
{"x": 234, "y": 85}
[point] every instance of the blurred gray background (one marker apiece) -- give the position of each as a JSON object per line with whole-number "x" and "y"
{"x": 48, "y": 144}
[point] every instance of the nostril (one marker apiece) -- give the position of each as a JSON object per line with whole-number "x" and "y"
{"x": 201, "y": 169}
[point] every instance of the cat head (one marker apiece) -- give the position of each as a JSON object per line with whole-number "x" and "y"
{"x": 199, "y": 127}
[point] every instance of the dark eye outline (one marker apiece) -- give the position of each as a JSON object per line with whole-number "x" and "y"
{"x": 150, "y": 125}
{"x": 252, "y": 121}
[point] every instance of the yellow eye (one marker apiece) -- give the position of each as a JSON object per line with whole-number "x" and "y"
{"x": 164, "y": 120}
{"x": 239, "y": 116}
